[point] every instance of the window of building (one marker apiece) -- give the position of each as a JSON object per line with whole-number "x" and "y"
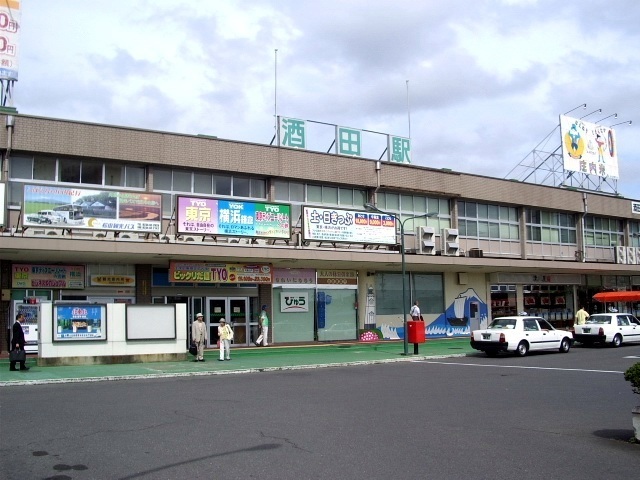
{"x": 603, "y": 231}
{"x": 407, "y": 206}
{"x": 634, "y": 232}
{"x": 551, "y": 227}
{"x": 426, "y": 288}
{"x": 298, "y": 194}
{"x": 44, "y": 169}
{"x": 91, "y": 172}
{"x": 69, "y": 170}
{"x": 503, "y": 300}
{"x": 481, "y": 220}
{"x": 170, "y": 182}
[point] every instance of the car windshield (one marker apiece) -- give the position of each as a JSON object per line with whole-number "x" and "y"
{"x": 503, "y": 323}
{"x": 599, "y": 319}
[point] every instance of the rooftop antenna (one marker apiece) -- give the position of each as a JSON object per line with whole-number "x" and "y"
{"x": 583, "y": 106}
{"x": 275, "y": 97}
{"x": 408, "y": 109}
{"x": 595, "y": 111}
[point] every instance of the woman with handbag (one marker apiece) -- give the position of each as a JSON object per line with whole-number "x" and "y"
{"x": 225, "y": 333}
{"x": 18, "y": 353}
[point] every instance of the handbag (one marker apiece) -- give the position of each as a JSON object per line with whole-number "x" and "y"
{"x": 230, "y": 333}
{"x": 193, "y": 349}
{"x": 17, "y": 355}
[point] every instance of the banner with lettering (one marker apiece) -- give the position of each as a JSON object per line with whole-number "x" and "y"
{"x": 47, "y": 276}
{"x": 202, "y": 272}
{"x": 210, "y": 216}
{"x": 349, "y": 226}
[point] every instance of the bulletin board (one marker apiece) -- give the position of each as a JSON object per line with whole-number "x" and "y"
{"x": 151, "y": 322}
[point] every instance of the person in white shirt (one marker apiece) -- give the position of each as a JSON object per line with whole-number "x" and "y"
{"x": 415, "y": 312}
{"x": 264, "y": 328}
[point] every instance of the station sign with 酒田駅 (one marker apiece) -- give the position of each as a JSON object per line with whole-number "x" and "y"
{"x": 204, "y": 272}
{"x": 211, "y": 216}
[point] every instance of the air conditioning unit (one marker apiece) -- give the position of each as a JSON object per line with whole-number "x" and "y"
{"x": 426, "y": 240}
{"x": 450, "y": 242}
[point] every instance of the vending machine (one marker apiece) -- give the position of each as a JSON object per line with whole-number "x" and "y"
{"x": 31, "y": 312}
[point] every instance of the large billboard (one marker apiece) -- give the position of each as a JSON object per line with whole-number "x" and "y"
{"x": 70, "y": 207}
{"x": 588, "y": 148}
{"x": 9, "y": 26}
{"x": 348, "y": 226}
{"x": 210, "y": 216}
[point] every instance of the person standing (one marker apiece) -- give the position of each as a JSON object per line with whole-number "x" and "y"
{"x": 225, "y": 334}
{"x": 17, "y": 343}
{"x": 415, "y": 312}
{"x": 581, "y": 316}
{"x": 264, "y": 328}
{"x": 199, "y": 336}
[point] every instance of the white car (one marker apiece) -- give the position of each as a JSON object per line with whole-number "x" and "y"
{"x": 519, "y": 335}
{"x": 53, "y": 217}
{"x": 612, "y": 328}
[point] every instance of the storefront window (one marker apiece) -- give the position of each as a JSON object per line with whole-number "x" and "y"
{"x": 503, "y": 300}
{"x": 551, "y": 302}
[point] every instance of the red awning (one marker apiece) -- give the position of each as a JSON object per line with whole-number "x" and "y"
{"x": 618, "y": 296}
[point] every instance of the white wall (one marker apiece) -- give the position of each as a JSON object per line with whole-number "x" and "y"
{"x": 116, "y": 344}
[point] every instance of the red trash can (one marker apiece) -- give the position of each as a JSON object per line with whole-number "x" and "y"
{"x": 415, "y": 332}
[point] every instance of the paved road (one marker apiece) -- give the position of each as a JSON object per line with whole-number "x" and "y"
{"x": 544, "y": 416}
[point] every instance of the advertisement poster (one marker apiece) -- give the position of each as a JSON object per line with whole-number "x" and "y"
{"x": 588, "y": 148}
{"x": 79, "y": 322}
{"x": 68, "y": 207}
{"x": 349, "y": 226}
{"x": 47, "y": 276}
{"x": 9, "y": 27}
{"x": 209, "y": 216}
{"x": 199, "y": 272}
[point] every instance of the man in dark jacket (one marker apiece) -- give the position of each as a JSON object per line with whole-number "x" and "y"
{"x": 17, "y": 341}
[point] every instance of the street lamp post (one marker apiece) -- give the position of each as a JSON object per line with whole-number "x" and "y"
{"x": 372, "y": 207}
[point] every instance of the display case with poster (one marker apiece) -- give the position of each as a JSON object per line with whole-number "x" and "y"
{"x": 79, "y": 322}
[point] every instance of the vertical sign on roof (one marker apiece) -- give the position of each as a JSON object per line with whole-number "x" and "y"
{"x": 9, "y": 24}
{"x": 291, "y": 133}
{"x": 399, "y": 149}
{"x": 348, "y": 141}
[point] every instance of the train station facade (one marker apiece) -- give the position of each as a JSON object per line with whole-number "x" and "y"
{"x": 97, "y": 214}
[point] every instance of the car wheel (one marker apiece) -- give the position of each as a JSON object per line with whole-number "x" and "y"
{"x": 522, "y": 349}
{"x": 565, "y": 345}
{"x": 491, "y": 353}
{"x": 617, "y": 341}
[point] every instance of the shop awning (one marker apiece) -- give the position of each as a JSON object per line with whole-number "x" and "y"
{"x": 618, "y": 296}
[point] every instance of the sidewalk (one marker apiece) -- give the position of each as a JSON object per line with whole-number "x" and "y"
{"x": 243, "y": 360}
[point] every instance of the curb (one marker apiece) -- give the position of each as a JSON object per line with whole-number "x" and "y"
{"x": 223, "y": 372}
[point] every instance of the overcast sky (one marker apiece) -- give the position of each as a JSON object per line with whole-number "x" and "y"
{"x": 478, "y": 84}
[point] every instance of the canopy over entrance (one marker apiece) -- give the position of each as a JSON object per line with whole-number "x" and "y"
{"x": 617, "y": 296}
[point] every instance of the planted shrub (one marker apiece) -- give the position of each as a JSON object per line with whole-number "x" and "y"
{"x": 632, "y": 375}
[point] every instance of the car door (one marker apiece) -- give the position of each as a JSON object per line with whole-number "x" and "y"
{"x": 630, "y": 331}
{"x": 551, "y": 337}
{"x": 533, "y": 334}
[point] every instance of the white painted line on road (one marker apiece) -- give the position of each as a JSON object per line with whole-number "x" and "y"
{"x": 632, "y": 356}
{"x": 528, "y": 368}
